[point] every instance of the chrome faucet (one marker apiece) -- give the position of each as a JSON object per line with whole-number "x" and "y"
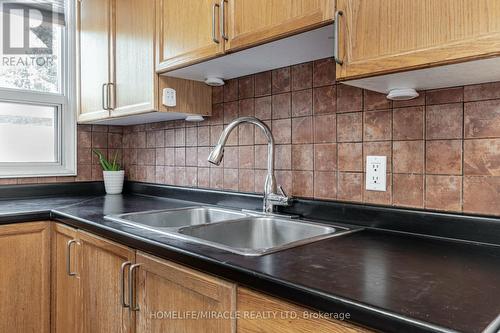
{"x": 271, "y": 198}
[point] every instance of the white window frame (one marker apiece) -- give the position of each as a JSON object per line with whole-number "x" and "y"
{"x": 65, "y": 104}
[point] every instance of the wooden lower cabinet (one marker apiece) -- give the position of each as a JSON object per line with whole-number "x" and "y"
{"x": 25, "y": 277}
{"x": 72, "y": 282}
{"x": 66, "y": 297}
{"x": 167, "y": 289}
{"x": 277, "y": 316}
{"x": 87, "y": 289}
{"x": 100, "y": 279}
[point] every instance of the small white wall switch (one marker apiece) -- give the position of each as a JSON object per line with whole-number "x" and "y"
{"x": 169, "y": 97}
{"x": 376, "y": 167}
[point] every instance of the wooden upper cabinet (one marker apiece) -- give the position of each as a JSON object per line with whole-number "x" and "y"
{"x": 186, "y": 30}
{"x": 116, "y": 58}
{"x": 99, "y": 268}
{"x": 252, "y": 22}
{"x": 384, "y": 36}
{"x": 25, "y": 277}
{"x": 165, "y": 288}
{"x": 93, "y": 71}
{"x": 133, "y": 63}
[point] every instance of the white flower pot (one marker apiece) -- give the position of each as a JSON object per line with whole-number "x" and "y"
{"x": 113, "y": 181}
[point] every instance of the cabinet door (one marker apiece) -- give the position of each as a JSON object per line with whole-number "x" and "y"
{"x": 101, "y": 281}
{"x": 252, "y": 22}
{"x": 289, "y": 318}
{"x": 134, "y": 76}
{"x": 93, "y": 57}
{"x": 167, "y": 289}
{"x": 185, "y": 32}
{"x": 25, "y": 277}
{"x": 66, "y": 304}
{"x": 383, "y": 36}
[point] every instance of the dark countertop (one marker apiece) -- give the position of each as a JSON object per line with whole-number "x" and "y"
{"x": 35, "y": 208}
{"x": 389, "y": 281}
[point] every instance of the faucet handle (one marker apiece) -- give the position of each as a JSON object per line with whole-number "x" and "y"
{"x": 279, "y": 199}
{"x": 282, "y": 191}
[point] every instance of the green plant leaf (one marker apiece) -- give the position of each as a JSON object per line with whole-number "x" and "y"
{"x": 115, "y": 166}
{"x": 105, "y": 164}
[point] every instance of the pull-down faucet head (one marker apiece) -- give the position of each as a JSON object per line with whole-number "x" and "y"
{"x": 216, "y": 155}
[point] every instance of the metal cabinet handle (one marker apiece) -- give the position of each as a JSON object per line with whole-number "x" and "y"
{"x": 110, "y": 96}
{"x": 122, "y": 283}
{"x": 68, "y": 257}
{"x": 223, "y": 19}
{"x": 104, "y": 92}
{"x": 214, "y": 38}
{"x": 132, "y": 287}
{"x": 338, "y": 13}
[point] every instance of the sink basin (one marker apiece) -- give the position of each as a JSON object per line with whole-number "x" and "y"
{"x": 245, "y": 233}
{"x": 175, "y": 218}
{"x": 260, "y": 235}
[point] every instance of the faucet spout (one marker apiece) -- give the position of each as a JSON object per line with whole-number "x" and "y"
{"x": 271, "y": 198}
{"x": 216, "y": 155}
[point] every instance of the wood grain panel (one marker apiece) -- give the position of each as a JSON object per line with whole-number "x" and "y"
{"x": 100, "y": 265}
{"x": 25, "y": 277}
{"x": 93, "y": 25}
{"x": 192, "y": 96}
{"x": 165, "y": 287}
{"x": 134, "y": 59}
{"x": 285, "y": 318}
{"x": 185, "y": 33}
{"x": 383, "y": 36}
{"x": 252, "y": 22}
{"x": 66, "y": 304}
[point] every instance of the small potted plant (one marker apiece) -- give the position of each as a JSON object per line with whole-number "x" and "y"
{"x": 112, "y": 173}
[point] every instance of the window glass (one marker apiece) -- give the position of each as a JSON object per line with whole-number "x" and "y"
{"x": 37, "y": 102}
{"x": 27, "y": 133}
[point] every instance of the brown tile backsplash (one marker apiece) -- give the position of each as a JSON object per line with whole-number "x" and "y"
{"x": 446, "y": 95}
{"x": 323, "y": 72}
{"x": 408, "y": 190}
{"x": 444, "y": 121}
{"x": 482, "y": 119}
{"x": 408, "y": 156}
{"x": 281, "y": 80}
{"x": 443, "y": 157}
{"x": 482, "y": 157}
{"x": 442, "y": 148}
{"x": 408, "y": 123}
{"x": 443, "y": 192}
{"x": 324, "y": 100}
{"x": 377, "y": 125}
{"x": 302, "y": 75}
{"x": 350, "y": 127}
{"x": 350, "y": 186}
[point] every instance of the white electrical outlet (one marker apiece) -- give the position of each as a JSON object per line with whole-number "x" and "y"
{"x": 376, "y": 167}
{"x": 169, "y": 97}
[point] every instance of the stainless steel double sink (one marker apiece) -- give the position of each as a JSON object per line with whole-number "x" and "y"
{"x": 241, "y": 232}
